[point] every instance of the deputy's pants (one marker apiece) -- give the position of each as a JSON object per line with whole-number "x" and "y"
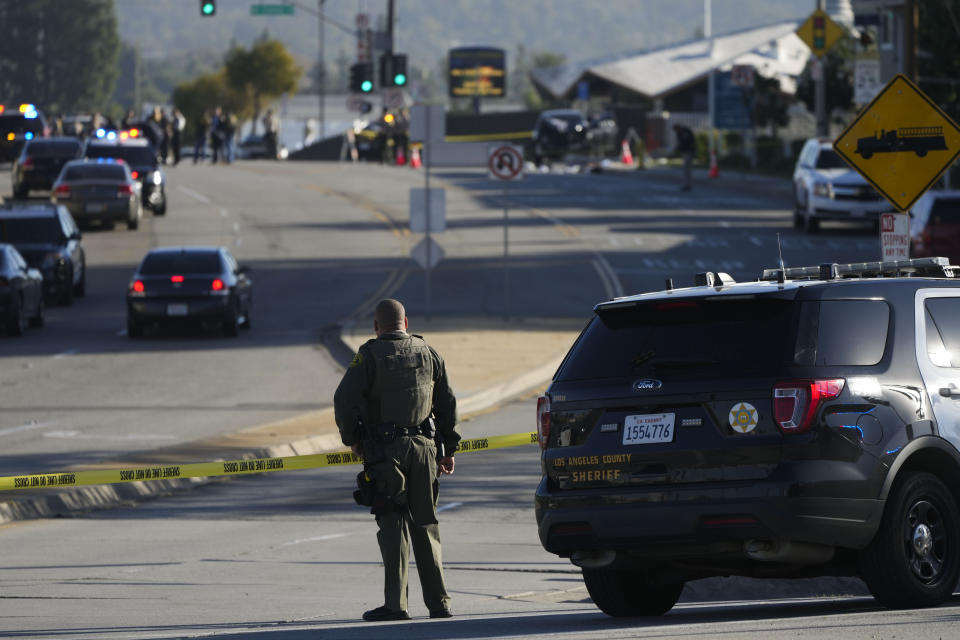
{"x": 414, "y": 524}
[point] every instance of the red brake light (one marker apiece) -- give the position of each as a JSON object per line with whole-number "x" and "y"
{"x": 796, "y": 402}
{"x": 217, "y": 284}
{"x": 27, "y": 162}
{"x": 137, "y": 286}
{"x": 62, "y": 190}
{"x": 135, "y": 174}
{"x": 543, "y": 420}
{"x": 124, "y": 190}
{"x": 176, "y": 278}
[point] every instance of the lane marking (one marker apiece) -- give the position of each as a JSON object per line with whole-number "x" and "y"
{"x": 329, "y": 536}
{"x": 452, "y": 505}
{"x": 363, "y": 203}
{"x": 193, "y": 194}
{"x": 25, "y": 427}
{"x": 64, "y": 354}
{"x": 561, "y": 226}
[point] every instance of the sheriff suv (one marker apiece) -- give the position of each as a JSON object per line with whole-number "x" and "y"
{"x": 804, "y": 424}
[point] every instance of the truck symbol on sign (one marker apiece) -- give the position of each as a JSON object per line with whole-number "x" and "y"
{"x": 916, "y": 139}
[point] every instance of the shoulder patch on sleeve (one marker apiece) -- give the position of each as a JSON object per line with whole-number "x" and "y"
{"x": 357, "y": 359}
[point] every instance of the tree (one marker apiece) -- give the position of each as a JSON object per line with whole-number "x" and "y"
{"x": 769, "y": 104}
{"x": 207, "y": 92}
{"x": 838, "y": 71}
{"x": 61, "y": 56}
{"x": 939, "y": 66}
{"x": 261, "y": 73}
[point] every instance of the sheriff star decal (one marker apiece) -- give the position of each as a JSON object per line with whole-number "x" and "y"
{"x": 743, "y": 417}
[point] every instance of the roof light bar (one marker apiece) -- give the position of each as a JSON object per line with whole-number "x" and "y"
{"x": 930, "y": 267}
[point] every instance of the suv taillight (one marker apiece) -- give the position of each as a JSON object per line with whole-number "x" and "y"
{"x": 796, "y": 402}
{"x": 27, "y": 163}
{"x": 62, "y": 190}
{"x": 543, "y": 420}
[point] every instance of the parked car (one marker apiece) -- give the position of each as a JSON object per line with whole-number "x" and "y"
{"x": 102, "y": 189}
{"x": 21, "y": 292}
{"x": 253, "y": 147}
{"x": 602, "y": 133}
{"x": 140, "y": 155}
{"x": 804, "y": 424}
{"x": 47, "y": 237}
{"x": 826, "y": 188}
{"x": 189, "y": 284}
{"x": 558, "y": 132}
{"x": 935, "y": 225}
{"x": 18, "y": 124}
{"x": 40, "y": 162}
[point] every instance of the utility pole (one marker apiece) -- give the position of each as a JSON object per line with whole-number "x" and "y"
{"x": 322, "y": 75}
{"x": 911, "y": 25}
{"x": 820, "y": 90}
{"x": 711, "y": 84}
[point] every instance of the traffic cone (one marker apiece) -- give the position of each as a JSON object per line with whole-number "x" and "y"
{"x": 714, "y": 170}
{"x": 401, "y": 156}
{"x": 625, "y": 156}
{"x": 415, "y": 157}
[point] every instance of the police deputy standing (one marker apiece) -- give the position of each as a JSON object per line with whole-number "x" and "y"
{"x": 395, "y": 407}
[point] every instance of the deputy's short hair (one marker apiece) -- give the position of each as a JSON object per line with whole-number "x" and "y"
{"x": 390, "y": 314}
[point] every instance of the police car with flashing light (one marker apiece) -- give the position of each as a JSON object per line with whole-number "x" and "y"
{"x": 133, "y": 148}
{"x": 805, "y": 424}
{"x": 19, "y": 123}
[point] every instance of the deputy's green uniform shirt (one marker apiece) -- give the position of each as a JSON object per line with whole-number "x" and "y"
{"x": 398, "y": 378}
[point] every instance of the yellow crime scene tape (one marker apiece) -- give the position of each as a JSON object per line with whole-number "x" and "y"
{"x": 228, "y": 467}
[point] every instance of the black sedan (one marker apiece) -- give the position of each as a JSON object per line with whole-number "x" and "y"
{"x": 102, "y": 189}
{"x": 189, "y": 284}
{"x": 40, "y": 162}
{"x": 21, "y": 292}
{"x": 140, "y": 155}
{"x": 47, "y": 237}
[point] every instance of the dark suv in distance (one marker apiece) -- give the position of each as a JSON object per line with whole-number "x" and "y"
{"x": 805, "y": 424}
{"x": 19, "y": 123}
{"x": 558, "y": 132}
{"x": 40, "y": 162}
{"x": 49, "y": 240}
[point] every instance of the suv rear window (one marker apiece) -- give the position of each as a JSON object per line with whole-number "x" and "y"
{"x": 43, "y": 148}
{"x": 946, "y": 210}
{"x": 132, "y": 155}
{"x": 30, "y": 230}
{"x": 20, "y": 124}
{"x": 190, "y": 262}
{"x": 842, "y": 332}
{"x": 716, "y": 337}
{"x": 95, "y": 172}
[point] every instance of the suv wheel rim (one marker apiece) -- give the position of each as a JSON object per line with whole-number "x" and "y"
{"x": 926, "y": 541}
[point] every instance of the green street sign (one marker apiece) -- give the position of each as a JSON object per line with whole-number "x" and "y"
{"x": 271, "y": 9}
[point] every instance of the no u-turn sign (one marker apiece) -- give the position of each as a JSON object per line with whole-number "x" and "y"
{"x": 505, "y": 162}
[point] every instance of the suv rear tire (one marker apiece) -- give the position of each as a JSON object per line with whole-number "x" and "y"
{"x": 631, "y": 593}
{"x": 914, "y": 560}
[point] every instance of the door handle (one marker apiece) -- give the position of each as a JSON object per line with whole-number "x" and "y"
{"x": 950, "y": 392}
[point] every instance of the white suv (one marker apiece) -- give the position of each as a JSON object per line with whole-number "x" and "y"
{"x": 826, "y": 188}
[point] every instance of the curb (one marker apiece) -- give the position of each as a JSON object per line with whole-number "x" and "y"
{"x": 64, "y": 503}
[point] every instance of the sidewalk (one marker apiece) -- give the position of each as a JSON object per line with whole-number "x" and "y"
{"x": 727, "y": 180}
{"x": 489, "y": 361}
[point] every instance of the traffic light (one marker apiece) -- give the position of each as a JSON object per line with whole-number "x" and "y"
{"x": 393, "y": 70}
{"x": 208, "y": 8}
{"x": 361, "y": 77}
{"x": 398, "y": 70}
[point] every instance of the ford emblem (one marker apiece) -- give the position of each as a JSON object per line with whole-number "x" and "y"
{"x": 647, "y": 384}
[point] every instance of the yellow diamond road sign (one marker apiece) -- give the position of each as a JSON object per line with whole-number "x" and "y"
{"x": 820, "y": 32}
{"x": 901, "y": 143}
